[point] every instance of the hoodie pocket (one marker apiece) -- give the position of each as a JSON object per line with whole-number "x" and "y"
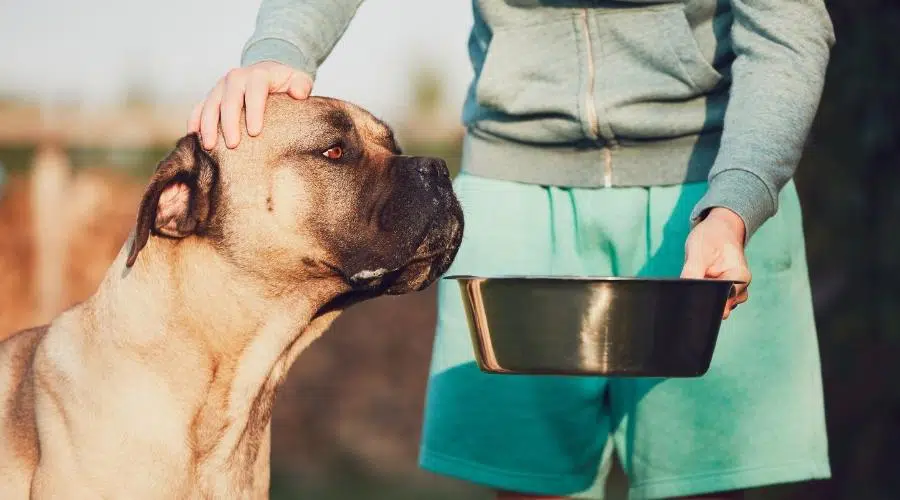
{"x": 653, "y": 47}
{"x": 684, "y": 46}
{"x": 653, "y": 75}
{"x": 529, "y": 82}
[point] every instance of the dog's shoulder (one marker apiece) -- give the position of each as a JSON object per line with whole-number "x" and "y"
{"x": 21, "y": 345}
{"x": 16, "y": 359}
{"x": 17, "y": 417}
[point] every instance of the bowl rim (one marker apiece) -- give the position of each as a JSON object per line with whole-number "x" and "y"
{"x": 590, "y": 279}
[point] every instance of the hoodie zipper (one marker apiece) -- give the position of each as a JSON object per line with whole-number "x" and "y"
{"x": 590, "y": 107}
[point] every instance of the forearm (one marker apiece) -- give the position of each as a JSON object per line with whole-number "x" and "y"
{"x": 782, "y": 51}
{"x": 298, "y": 33}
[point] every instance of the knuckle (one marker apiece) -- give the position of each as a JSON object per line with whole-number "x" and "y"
{"x": 215, "y": 91}
{"x": 258, "y": 73}
{"x": 235, "y": 78}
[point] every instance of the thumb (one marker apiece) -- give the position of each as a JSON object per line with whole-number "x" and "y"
{"x": 694, "y": 267}
{"x": 717, "y": 269}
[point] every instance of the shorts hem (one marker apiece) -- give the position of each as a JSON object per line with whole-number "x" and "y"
{"x": 735, "y": 479}
{"x": 502, "y": 479}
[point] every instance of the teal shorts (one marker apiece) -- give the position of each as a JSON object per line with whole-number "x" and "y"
{"x": 756, "y": 418}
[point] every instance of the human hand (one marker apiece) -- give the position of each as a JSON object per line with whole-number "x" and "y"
{"x": 251, "y": 86}
{"x": 715, "y": 249}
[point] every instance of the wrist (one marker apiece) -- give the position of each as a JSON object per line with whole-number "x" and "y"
{"x": 731, "y": 219}
{"x": 277, "y": 51}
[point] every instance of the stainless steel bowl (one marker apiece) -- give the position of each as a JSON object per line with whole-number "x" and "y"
{"x": 633, "y": 327}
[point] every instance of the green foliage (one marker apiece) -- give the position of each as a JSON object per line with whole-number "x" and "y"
{"x": 428, "y": 89}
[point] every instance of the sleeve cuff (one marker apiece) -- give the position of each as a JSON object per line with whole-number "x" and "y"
{"x": 278, "y": 50}
{"x": 742, "y": 192}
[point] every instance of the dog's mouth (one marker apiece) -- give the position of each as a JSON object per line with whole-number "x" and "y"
{"x": 432, "y": 258}
{"x": 372, "y": 279}
{"x": 434, "y": 255}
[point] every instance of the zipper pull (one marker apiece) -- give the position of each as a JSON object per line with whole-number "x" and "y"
{"x": 607, "y": 167}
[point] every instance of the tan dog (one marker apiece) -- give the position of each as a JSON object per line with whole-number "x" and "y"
{"x": 161, "y": 384}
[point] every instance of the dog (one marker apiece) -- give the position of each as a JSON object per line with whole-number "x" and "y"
{"x": 161, "y": 384}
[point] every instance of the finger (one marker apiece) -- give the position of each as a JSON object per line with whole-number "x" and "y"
{"x": 232, "y": 104}
{"x": 730, "y": 304}
{"x": 734, "y": 301}
{"x": 300, "y": 86}
{"x": 209, "y": 117}
{"x": 193, "y": 124}
{"x": 742, "y": 278}
{"x": 734, "y": 271}
{"x": 727, "y": 313}
{"x": 255, "y": 98}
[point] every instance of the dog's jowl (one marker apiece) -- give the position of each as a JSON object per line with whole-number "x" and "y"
{"x": 161, "y": 384}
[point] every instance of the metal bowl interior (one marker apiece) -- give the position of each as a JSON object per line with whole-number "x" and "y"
{"x": 606, "y": 326}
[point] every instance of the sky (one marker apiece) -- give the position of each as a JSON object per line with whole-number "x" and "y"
{"x": 91, "y": 51}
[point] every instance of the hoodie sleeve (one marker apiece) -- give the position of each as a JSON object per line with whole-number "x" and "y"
{"x": 298, "y": 33}
{"x": 782, "y": 51}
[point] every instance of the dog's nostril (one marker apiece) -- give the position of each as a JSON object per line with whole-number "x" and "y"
{"x": 433, "y": 167}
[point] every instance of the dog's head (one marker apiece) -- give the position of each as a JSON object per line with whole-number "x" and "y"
{"x": 323, "y": 193}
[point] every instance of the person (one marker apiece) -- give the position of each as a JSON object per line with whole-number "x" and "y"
{"x": 613, "y": 138}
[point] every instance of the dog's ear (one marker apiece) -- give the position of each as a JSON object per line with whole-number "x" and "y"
{"x": 179, "y": 200}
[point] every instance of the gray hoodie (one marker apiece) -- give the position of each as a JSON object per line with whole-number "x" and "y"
{"x": 585, "y": 93}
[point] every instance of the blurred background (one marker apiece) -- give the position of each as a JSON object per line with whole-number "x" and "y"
{"x": 93, "y": 93}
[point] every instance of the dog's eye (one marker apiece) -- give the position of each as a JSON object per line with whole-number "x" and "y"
{"x": 334, "y": 153}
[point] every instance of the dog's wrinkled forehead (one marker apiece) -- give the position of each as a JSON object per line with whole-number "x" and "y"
{"x": 320, "y": 122}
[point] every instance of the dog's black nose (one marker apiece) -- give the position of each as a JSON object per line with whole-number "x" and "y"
{"x": 432, "y": 167}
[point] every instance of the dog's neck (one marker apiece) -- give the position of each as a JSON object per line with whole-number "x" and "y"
{"x": 242, "y": 342}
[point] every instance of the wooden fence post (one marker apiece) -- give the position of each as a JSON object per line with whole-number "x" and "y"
{"x": 50, "y": 177}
